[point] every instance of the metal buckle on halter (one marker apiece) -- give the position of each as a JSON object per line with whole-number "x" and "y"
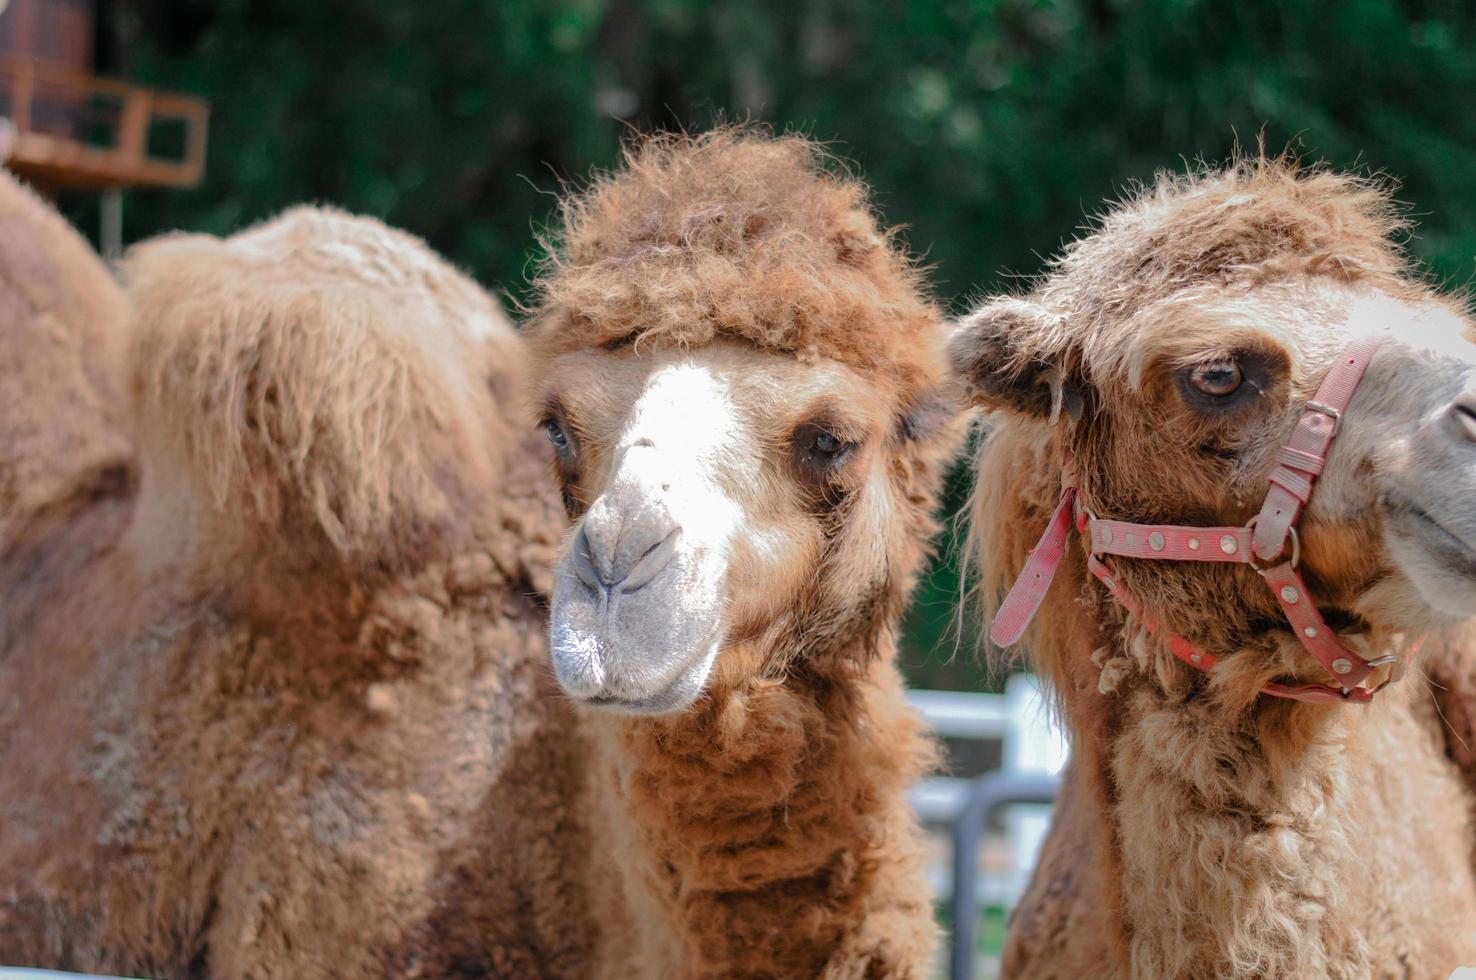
{"x": 1394, "y": 674}
{"x": 1333, "y": 413}
{"x": 1082, "y": 517}
{"x": 1296, "y": 553}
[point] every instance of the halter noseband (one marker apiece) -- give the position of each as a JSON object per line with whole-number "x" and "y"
{"x": 1262, "y": 541}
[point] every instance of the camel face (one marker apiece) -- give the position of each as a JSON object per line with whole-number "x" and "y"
{"x": 1171, "y": 356}
{"x": 1220, "y": 385}
{"x": 744, "y": 392}
{"x": 716, "y": 481}
{"x": 1166, "y": 362}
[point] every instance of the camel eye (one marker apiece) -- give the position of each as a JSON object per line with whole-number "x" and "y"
{"x": 827, "y": 444}
{"x": 819, "y": 450}
{"x": 557, "y": 435}
{"x": 823, "y": 447}
{"x": 1217, "y": 380}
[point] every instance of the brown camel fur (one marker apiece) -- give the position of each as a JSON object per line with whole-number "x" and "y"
{"x": 274, "y": 695}
{"x": 61, "y": 316}
{"x": 742, "y": 386}
{"x": 1206, "y": 830}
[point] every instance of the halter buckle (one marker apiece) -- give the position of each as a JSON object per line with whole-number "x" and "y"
{"x": 1335, "y": 414}
{"x": 1296, "y": 549}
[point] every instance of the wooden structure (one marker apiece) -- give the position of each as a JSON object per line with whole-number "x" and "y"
{"x": 70, "y": 130}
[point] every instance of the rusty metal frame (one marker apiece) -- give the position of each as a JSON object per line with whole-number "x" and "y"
{"x": 69, "y": 162}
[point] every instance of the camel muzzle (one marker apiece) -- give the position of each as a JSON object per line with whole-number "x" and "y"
{"x": 636, "y": 605}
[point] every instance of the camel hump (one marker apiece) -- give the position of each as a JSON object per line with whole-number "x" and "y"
{"x": 320, "y": 380}
{"x": 61, "y": 323}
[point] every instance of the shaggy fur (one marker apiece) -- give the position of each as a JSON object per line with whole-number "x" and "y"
{"x": 1451, "y": 671}
{"x": 60, "y": 319}
{"x": 727, "y": 235}
{"x": 1205, "y": 830}
{"x": 763, "y": 832}
{"x": 275, "y": 694}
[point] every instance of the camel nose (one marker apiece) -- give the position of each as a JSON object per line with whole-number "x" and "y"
{"x": 1463, "y": 414}
{"x": 620, "y": 548}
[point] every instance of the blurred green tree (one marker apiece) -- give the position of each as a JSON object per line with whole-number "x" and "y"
{"x": 989, "y": 128}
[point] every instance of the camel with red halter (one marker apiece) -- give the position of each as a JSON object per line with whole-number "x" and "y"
{"x": 1249, "y": 431}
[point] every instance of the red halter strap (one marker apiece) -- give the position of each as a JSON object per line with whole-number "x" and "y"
{"x": 1258, "y": 543}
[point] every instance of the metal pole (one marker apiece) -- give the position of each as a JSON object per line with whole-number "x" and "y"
{"x": 22, "y": 94}
{"x": 988, "y": 794}
{"x": 110, "y": 220}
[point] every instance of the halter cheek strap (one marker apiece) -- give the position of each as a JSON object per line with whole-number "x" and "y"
{"x": 1265, "y": 539}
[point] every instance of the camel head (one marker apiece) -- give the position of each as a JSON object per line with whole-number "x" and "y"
{"x": 741, "y": 387}
{"x": 1170, "y": 354}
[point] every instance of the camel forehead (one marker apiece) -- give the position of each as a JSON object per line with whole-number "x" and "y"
{"x": 1433, "y": 327}
{"x": 721, "y": 384}
{"x": 1307, "y": 324}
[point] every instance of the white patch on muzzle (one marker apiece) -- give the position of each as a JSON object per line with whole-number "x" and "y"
{"x": 638, "y": 595}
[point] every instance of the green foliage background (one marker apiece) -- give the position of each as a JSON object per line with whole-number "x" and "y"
{"x": 989, "y": 128}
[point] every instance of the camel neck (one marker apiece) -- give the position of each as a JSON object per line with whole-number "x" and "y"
{"x": 1238, "y": 838}
{"x": 1254, "y": 842}
{"x": 750, "y": 830}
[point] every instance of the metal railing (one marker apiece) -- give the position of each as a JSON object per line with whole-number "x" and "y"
{"x": 1032, "y": 753}
{"x": 989, "y": 793}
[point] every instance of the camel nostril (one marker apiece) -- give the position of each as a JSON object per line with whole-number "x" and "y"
{"x": 1464, "y": 414}
{"x": 607, "y": 553}
{"x": 652, "y": 561}
{"x": 583, "y": 561}
{"x": 647, "y": 553}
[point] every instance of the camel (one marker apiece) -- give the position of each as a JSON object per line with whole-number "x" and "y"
{"x": 275, "y": 547}
{"x": 743, "y": 385}
{"x": 61, "y": 317}
{"x": 1238, "y": 804}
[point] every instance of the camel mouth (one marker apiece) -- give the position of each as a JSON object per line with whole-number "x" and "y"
{"x": 1441, "y": 542}
{"x": 644, "y": 652}
{"x": 1435, "y": 555}
{"x": 674, "y": 698}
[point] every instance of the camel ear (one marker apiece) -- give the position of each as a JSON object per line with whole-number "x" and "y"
{"x": 1009, "y": 355}
{"x": 930, "y": 417}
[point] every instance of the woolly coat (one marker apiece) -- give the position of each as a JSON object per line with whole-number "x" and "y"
{"x": 273, "y": 547}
